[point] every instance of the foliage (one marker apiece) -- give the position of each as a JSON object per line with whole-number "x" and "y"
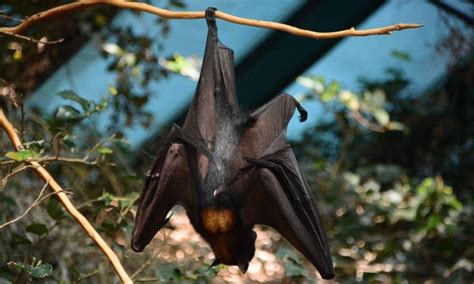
{"x": 393, "y": 172}
{"x": 396, "y": 216}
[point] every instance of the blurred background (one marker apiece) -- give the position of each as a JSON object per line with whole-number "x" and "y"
{"x": 388, "y": 147}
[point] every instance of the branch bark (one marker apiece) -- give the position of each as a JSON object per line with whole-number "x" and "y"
{"x": 82, "y": 4}
{"x": 66, "y": 202}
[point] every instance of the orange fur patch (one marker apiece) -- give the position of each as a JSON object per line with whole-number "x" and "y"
{"x": 218, "y": 221}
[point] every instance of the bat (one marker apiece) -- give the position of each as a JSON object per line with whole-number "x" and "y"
{"x": 232, "y": 170}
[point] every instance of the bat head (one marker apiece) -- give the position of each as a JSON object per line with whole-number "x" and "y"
{"x": 237, "y": 248}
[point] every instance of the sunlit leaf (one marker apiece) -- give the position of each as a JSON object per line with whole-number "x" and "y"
{"x": 107, "y": 198}
{"x": 104, "y": 150}
{"x": 18, "y": 54}
{"x": 22, "y": 155}
{"x": 112, "y": 49}
{"x": 381, "y": 116}
{"x": 113, "y": 90}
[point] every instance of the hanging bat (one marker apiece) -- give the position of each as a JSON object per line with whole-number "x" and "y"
{"x": 232, "y": 170}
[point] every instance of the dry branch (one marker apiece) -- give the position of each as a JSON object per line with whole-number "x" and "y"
{"x": 82, "y": 4}
{"x": 66, "y": 202}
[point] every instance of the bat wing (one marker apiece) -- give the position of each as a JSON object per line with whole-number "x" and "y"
{"x": 266, "y": 132}
{"x": 280, "y": 198}
{"x": 169, "y": 182}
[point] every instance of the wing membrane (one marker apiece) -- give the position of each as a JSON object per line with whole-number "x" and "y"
{"x": 280, "y": 197}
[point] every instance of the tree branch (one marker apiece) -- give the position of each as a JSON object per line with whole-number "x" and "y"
{"x": 67, "y": 204}
{"x": 167, "y": 14}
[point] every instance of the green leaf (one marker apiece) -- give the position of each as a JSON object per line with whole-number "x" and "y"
{"x": 41, "y": 271}
{"x": 456, "y": 204}
{"x": 54, "y": 209}
{"x": 72, "y": 96}
{"x": 104, "y": 150}
{"x": 19, "y": 239}
{"x": 403, "y": 56}
{"x": 68, "y": 114}
{"x": 107, "y": 198}
{"x": 327, "y": 96}
{"x": 21, "y": 155}
{"x": 113, "y": 90}
{"x": 37, "y": 229}
{"x": 432, "y": 223}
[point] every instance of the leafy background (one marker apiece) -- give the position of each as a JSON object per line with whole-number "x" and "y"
{"x": 392, "y": 172}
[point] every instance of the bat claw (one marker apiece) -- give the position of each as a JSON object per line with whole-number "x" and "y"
{"x": 302, "y": 111}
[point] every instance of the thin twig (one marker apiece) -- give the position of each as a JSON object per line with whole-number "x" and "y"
{"x": 167, "y": 14}
{"x": 37, "y": 201}
{"x": 148, "y": 279}
{"x": 28, "y": 38}
{"x": 66, "y": 202}
{"x": 15, "y": 171}
{"x": 87, "y": 275}
{"x": 3, "y": 15}
{"x": 144, "y": 265}
{"x": 68, "y": 160}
